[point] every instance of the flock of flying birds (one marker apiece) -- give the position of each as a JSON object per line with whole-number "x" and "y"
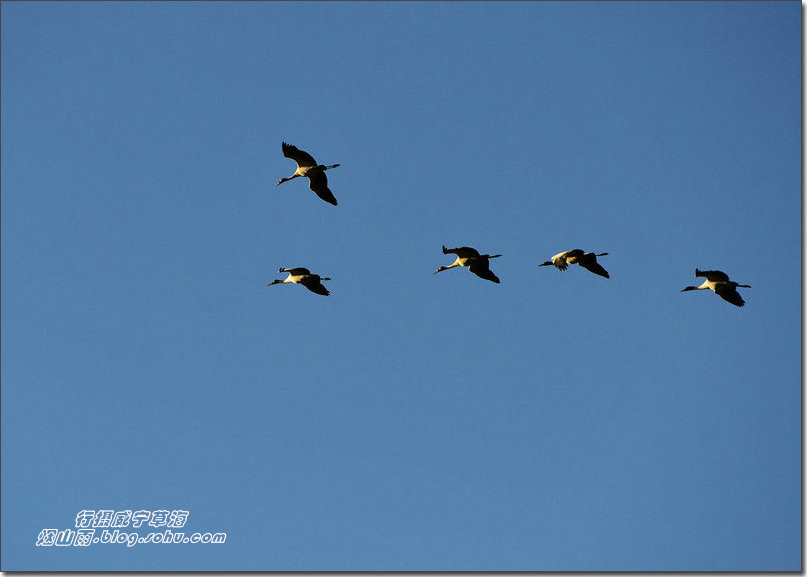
{"x": 479, "y": 264}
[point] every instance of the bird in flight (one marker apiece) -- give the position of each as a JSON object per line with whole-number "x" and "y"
{"x": 479, "y": 264}
{"x": 719, "y": 282}
{"x": 304, "y": 277}
{"x": 588, "y": 260}
{"x": 308, "y": 167}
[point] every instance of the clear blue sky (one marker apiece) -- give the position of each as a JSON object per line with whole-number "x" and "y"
{"x": 409, "y": 421}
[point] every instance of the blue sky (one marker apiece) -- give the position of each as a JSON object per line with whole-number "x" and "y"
{"x": 409, "y": 421}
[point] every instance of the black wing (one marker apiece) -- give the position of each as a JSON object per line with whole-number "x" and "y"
{"x": 592, "y": 265}
{"x": 712, "y": 275}
{"x": 462, "y": 251}
{"x": 319, "y": 184}
{"x": 730, "y": 294}
{"x": 481, "y": 268}
{"x": 296, "y": 271}
{"x": 301, "y": 157}
{"x": 313, "y": 284}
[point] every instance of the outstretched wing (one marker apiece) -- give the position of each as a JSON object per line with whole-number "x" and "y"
{"x": 589, "y": 262}
{"x": 301, "y": 157}
{"x": 313, "y": 284}
{"x": 730, "y": 294}
{"x": 712, "y": 275}
{"x": 319, "y": 184}
{"x": 296, "y": 271}
{"x": 462, "y": 251}
{"x": 481, "y": 268}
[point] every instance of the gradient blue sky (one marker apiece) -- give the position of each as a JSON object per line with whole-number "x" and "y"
{"x": 409, "y": 421}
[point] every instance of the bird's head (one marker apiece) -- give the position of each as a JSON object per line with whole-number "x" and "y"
{"x": 689, "y": 288}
